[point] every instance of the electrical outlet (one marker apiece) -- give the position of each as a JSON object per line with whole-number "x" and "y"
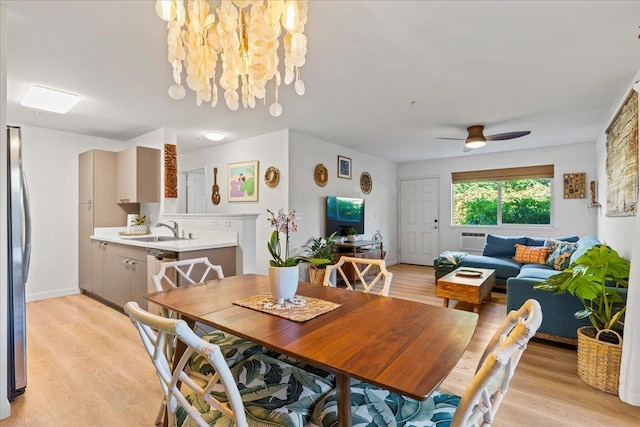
{"x": 227, "y": 223}
{"x": 214, "y": 222}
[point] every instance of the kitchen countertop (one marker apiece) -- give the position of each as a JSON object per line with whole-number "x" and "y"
{"x": 204, "y": 239}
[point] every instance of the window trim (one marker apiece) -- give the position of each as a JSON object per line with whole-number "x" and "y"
{"x": 500, "y": 175}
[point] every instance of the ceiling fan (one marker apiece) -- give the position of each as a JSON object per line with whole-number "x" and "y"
{"x": 476, "y": 139}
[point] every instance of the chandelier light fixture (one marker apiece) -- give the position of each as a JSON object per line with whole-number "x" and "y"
{"x": 245, "y": 36}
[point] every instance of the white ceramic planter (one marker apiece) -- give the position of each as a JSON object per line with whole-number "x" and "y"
{"x": 283, "y": 282}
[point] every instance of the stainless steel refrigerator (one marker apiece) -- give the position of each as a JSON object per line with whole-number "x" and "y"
{"x": 19, "y": 254}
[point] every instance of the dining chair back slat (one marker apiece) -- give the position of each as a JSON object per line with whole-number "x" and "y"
{"x": 176, "y": 383}
{"x": 483, "y": 397}
{"x": 365, "y": 273}
{"x": 172, "y": 274}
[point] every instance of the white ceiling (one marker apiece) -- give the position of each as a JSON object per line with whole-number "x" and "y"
{"x": 383, "y": 77}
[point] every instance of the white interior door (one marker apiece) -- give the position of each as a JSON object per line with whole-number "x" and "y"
{"x": 196, "y": 193}
{"x": 419, "y": 227}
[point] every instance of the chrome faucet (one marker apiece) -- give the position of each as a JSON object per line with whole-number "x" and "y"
{"x": 175, "y": 229}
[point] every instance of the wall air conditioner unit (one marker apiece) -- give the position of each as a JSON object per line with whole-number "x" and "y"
{"x": 472, "y": 241}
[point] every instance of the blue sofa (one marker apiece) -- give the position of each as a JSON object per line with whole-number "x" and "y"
{"x": 559, "y": 323}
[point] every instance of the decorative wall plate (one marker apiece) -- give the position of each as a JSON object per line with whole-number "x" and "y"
{"x": 321, "y": 175}
{"x": 366, "y": 183}
{"x": 272, "y": 177}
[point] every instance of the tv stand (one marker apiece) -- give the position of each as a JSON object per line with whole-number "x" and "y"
{"x": 359, "y": 247}
{"x": 372, "y": 249}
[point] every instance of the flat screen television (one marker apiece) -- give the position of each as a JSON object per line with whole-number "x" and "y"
{"x": 343, "y": 213}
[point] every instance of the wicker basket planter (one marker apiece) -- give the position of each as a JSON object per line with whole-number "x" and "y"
{"x": 599, "y": 361}
{"x": 316, "y": 275}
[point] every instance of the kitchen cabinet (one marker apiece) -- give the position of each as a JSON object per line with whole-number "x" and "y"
{"x": 97, "y": 206}
{"x": 120, "y": 273}
{"x": 138, "y": 175}
{"x": 101, "y": 258}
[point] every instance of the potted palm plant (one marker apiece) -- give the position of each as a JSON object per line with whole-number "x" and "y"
{"x": 599, "y": 278}
{"x": 321, "y": 248}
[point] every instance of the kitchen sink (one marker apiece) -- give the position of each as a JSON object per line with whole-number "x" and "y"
{"x": 155, "y": 238}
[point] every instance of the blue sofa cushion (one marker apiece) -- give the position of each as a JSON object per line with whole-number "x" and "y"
{"x": 583, "y": 245}
{"x": 504, "y": 267}
{"x": 537, "y": 272}
{"x": 540, "y": 241}
{"x": 502, "y": 246}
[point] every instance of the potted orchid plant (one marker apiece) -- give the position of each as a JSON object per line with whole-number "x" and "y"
{"x": 283, "y": 269}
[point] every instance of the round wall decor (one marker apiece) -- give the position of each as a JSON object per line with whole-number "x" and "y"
{"x": 272, "y": 177}
{"x": 321, "y": 175}
{"x": 366, "y": 183}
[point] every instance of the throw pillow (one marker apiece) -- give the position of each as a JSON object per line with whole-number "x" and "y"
{"x": 531, "y": 254}
{"x": 560, "y": 258}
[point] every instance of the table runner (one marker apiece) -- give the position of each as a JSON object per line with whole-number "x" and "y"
{"x": 300, "y": 309}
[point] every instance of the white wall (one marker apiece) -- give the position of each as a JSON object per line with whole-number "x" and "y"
{"x": 50, "y": 160}
{"x": 571, "y": 216}
{"x": 308, "y": 199}
{"x": 616, "y": 232}
{"x": 295, "y": 156}
{"x": 5, "y": 408}
{"x": 270, "y": 150}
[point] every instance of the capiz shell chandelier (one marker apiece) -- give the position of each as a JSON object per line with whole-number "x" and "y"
{"x": 245, "y": 35}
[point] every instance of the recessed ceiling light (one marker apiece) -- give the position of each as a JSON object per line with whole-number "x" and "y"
{"x": 44, "y": 98}
{"x": 214, "y": 136}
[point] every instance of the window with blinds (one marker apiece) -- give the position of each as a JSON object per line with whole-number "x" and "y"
{"x": 507, "y": 196}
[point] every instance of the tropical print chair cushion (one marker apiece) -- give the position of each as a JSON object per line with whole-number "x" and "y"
{"x": 273, "y": 393}
{"x": 302, "y": 365}
{"x": 374, "y": 406}
{"x": 236, "y": 349}
{"x": 233, "y": 348}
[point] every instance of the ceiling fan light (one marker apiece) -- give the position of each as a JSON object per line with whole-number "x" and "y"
{"x": 475, "y": 143}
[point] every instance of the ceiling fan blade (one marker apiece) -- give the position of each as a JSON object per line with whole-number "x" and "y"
{"x": 466, "y": 149}
{"x": 507, "y": 135}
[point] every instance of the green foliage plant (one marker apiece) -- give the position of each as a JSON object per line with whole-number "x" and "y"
{"x": 351, "y": 231}
{"x": 323, "y": 248}
{"x": 595, "y": 279}
{"x": 284, "y": 223}
{"x": 139, "y": 220}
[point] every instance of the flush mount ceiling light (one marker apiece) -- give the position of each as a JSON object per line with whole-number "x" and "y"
{"x": 214, "y": 136}
{"x": 244, "y": 35}
{"x": 47, "y": 99}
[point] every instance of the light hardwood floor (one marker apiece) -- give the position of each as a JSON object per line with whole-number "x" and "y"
{"x": 87, "y": 367}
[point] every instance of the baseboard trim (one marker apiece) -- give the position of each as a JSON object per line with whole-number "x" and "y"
{"x": 52, "y": 294}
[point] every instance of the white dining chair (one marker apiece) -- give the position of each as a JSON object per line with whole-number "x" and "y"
{"x": 187, "y": 271}
{"x": 176, "y": 383}
{"x": 477, "y": 406}
{"x": 273, "y": 392}
{"x": 366, "y": 271}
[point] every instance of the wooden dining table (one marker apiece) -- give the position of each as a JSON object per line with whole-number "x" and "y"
{"x": 404, "y": 346}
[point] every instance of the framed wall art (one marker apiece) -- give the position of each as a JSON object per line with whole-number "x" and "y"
{"x": 575, "y": 185}
{"x": 622, "y": 160}
{"x": 344, "y": 167}
{"x": 242, "y": 184}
